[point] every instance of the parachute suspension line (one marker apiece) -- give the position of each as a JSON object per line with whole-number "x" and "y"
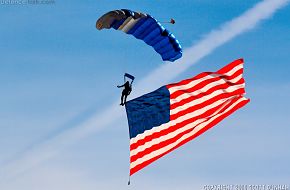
{"x": 124, "y": 69}
{"x": 150, "y": 61}
{"x": 172, "y": 21}
{"x": 125, "y": 66}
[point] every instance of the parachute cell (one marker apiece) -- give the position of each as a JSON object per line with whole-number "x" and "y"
{"x": 144, "y": 27}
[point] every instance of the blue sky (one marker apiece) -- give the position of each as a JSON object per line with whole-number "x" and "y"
{"x": 57, "y": 71}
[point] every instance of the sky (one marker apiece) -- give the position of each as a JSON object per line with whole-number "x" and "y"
{"x": 61, "y": 126}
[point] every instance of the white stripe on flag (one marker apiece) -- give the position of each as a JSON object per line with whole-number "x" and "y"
{"x": 195, "y": 82}
{"x": 205, "y": 98}
{"x": 179, "y": 120}
{"x": 166, "y": 125}
{"x": 172, "y": 145}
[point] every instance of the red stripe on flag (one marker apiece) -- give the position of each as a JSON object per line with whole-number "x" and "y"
{"x": 205, "y": 103}
{"x": 174, "y": 127}
{"x": 210, "y": 125}
{"x": 171, "y": 129}
{"x": 201, "y": 75}
{"x": 205, "y": 93}
{"x": 228, "y": 67}
{"x": 207, "y": 82}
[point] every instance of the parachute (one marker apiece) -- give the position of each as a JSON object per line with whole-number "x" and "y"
{"x": 131, "y": 77}
{"x": 144, "y": 27}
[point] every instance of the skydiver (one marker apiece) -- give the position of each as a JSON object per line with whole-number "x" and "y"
{"x": 126, "y": 91}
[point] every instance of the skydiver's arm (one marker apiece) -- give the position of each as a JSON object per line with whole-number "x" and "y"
{"x": 121, "y": 86}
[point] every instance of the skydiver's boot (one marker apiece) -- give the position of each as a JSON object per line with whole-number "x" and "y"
{"x": 121, "y": 104}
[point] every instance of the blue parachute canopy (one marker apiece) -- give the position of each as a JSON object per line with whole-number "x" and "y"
{"x": 144, "y": 27}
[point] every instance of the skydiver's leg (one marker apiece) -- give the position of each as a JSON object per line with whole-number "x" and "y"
{"x": 122, "y": 98}
{"x": 125, "y": 99}
{"x": 126, "y": 93}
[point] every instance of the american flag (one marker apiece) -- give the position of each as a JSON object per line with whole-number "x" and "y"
{"x": 172, "y": 115}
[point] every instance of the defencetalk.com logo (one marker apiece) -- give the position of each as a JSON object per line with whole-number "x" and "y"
{"x": 27, "y": 2}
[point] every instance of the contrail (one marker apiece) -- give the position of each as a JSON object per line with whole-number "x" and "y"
{"x": 157, "y": 78}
